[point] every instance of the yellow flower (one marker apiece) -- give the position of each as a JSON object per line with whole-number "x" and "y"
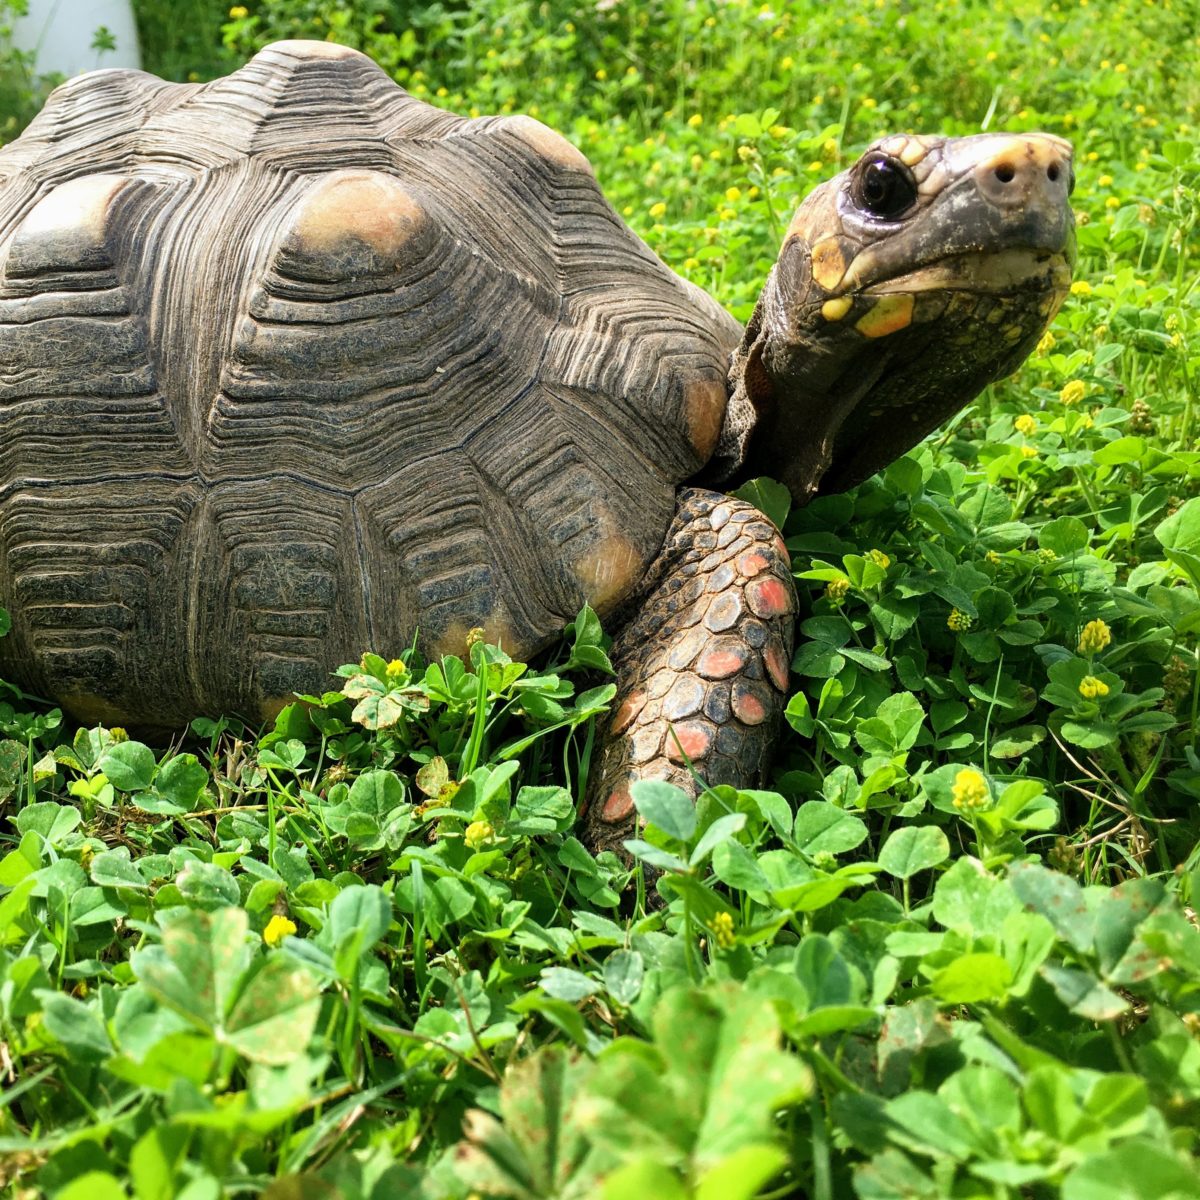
{"x": 722, "y": 931}
{"x": 836, "y": 589}
{"x": 958, "y": 621}
{"x": 658, "y": 210}
{"x": 690, "y": 264}
{"x": 1046, "y": 343}
{"x": 1026, "y": 424}
{"x": 970, "y": 789}
{"x": 992, "y": 558}
{"x": 602, "y": 74}
{"x": 277, "y": 929}
{"x": 1105, "y": 181}
{"x": 697, "y": 161}
{"x": 1073, "y": 392}
{"x": 695, "y": 120}
{"x": 118, "y": 734}
{"x": 733, "y": 194}
{"x": 1081, "y": 287}
{"x": 1090, "y": 687}
{"x": 727, "y": 214}
{"x": 238, "y": 12}
{"x": 1112, "y": 202}
{"x": 1095, "y": 636}
{"x": 815, "y": 166}
{"x": 396, "y": 669}
{"x": 477, "y": 833}
{"x": 880, "y": 559}
{"x": 1029, "y": 452}
{"x": 787, "y": 62}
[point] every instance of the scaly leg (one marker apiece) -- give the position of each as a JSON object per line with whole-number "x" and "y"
{"x": 702, "y": 665}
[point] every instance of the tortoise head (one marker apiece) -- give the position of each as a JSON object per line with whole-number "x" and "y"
{"x": 904, "y": 286}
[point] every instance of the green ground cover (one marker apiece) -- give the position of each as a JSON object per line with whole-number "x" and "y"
{"x": 950, "y": 953}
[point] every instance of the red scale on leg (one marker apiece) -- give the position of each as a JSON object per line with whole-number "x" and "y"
{"x": 691, "y": 738}
{"x": 769, "y": 597}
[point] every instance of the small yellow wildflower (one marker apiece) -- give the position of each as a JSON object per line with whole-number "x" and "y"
{"x": 722, "y": 930}
{"x": 1073, "y": 392}
{"x": 1090, "y": 687}
{"x": 1095, "y": 636}
{"x": 745, "y": 154}
{"x": 836, "y": 590}
{"x": 695, "y": 120}
{"x": 627, "y": 210}
{"x": 1112, "y": 202}
{"x": 1026, "y": 424}
{"x": 715, "y": 155}
{"x": 992, "y": 558}
{"x": 658, "y": 210}
{"x": 1046, "y": 343}
{"x": 277, "y": 929}
{"x": 1047, "y": 556}
{"x": 880, "y": 559}
{"x": 958, "y": 621}
{"x": 970, "y": 789}
{"x": 396, "y": 669}
{"x": 602, "y": 74}
{"x": 238, "y": 12}
{"x": 787, "y": 62}
{"x": 727, "y": 214}
{"x": 732, "y": 194}
{"x": 869, "y": 102}
{"x": 477, "y": 833}
{"x": 1104, "y": 181}
{"x": 697, "y": 161}
{"x": 815, "y": 166}
{"x": 118, "y": 734}
{"x": 1029, "y": 452}
{"x": 1081, "y": 287}
{"x": 475, "y": 636}
{"x": 690, "y": 264}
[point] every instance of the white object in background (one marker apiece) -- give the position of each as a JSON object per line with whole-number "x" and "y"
{"x": 60, "y": 33}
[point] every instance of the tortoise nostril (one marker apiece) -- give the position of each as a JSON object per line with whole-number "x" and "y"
{"x": 1005, "y": 173}
{"x": 1052, "y": 173}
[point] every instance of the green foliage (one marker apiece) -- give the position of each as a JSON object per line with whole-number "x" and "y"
{"x": 948, "y": 953}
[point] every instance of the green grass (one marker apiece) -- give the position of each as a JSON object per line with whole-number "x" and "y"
{"x": 949, "y": 953}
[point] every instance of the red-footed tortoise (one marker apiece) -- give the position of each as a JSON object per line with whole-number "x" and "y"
{"x": 293, "y": 364}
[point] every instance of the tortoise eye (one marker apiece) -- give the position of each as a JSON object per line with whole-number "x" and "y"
{"x": 884, "y": 187}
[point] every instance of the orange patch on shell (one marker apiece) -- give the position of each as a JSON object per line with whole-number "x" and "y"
{"x": 704, "y": 402}
{"x": 608, "y": 571}
{"x": 367, "y": 207}
{"x": 303, "y": 48}
{"x": 549, "y": 143}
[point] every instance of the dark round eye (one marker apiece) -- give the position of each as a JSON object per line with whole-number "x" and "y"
{"x": 884, "y": 187}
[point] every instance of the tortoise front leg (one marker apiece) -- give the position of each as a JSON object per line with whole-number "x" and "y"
{"x": 702, "y": 666}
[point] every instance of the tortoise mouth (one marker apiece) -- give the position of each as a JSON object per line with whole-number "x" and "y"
{"x": 993, "y": 272}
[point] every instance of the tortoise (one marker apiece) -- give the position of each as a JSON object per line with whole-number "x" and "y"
{"x": 293, "y": 363}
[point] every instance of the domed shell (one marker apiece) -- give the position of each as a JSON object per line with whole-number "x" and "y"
{"x": 293, "y": 364}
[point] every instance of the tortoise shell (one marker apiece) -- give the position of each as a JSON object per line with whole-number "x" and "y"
{"x": 294, "y": 364}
